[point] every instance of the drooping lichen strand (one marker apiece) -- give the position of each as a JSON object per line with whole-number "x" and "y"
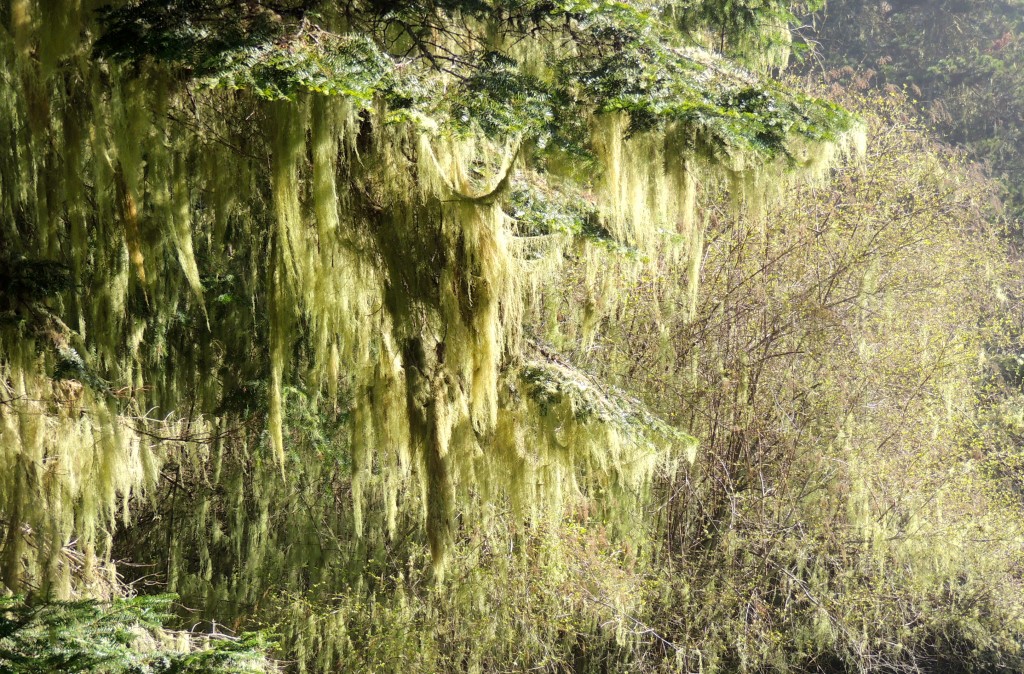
{"x": 240, "y": 270}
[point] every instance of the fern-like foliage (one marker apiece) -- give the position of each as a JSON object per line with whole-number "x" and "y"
{"x": 123, "y": 637}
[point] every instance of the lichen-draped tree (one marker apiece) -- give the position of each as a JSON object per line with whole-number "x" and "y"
{"x": 212, "y": 210}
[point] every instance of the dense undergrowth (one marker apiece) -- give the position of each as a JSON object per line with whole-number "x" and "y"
{"x": 849, "y": 509}
{"x": 492, "y": 338}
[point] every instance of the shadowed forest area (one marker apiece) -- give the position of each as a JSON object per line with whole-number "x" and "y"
{"x": 567, "y": 336}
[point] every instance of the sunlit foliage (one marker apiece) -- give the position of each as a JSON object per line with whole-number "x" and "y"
{"x": 477, "y": 336}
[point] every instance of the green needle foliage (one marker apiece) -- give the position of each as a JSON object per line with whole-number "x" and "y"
{"x": 123, "y": 637}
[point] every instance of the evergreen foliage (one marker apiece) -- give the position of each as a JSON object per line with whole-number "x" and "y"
{"x": 961, "y": 61}
{"x": 123, "y": 637}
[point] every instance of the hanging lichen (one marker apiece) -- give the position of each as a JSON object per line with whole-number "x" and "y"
{"x": 317, "y": 208}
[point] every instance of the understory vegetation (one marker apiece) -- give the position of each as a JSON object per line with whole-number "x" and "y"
{"x": 960, "y": 62}
{"x": 493, "y": 337}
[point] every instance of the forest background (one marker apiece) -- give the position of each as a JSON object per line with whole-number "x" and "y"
{"x": 484, "y": 336}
